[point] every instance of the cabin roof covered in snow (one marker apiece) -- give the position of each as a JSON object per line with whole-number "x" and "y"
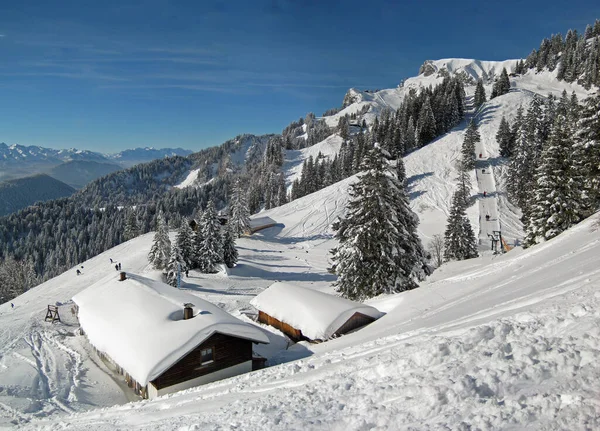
{"x": 139, "y": 324}
{"x": 318, "y": 315}
{"x": 261, "y": 221}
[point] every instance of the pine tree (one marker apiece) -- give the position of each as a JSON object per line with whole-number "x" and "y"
{"x": 504, "y": 138}
{"x": 426, "y": 125}
{"x": 468, "y": 148}
{"x": 132, "y": 229}
{"x": 479, "y": 98}
{"x": 502, "y": 84}
{"x": 379, "y": 250}
{"x": 240, "y": 215}
{"x": 587, "y": 151}
{"x": 185, "y": 243}
{"x": 459, "y": 240}
{"x": 175, "y": 266}
{"x": 211, "y": 249}
{"x": 555, "y": 205}
{"x": 161, "y": 247}
{"x": 230, "y": 253}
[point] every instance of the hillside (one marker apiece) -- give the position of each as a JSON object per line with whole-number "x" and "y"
{"x": 20, "y": 193}
{"x": 482, "y": 342}
{"x": 79, "y": 173}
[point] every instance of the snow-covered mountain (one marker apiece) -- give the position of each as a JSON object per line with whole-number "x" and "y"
{"x": 19, "y": 160}
{"x": 433, "y": 72}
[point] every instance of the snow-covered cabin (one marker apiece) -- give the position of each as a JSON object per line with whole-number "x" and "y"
{"x": 307, "y": 314}
{"x": 163, "y": 339}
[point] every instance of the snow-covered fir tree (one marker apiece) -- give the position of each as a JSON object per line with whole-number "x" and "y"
{"x": 176, "y": 265}
{"x": 459, "y": 239}
{"x": 379, "y": 250}
{"x": 587, "y": 151}
{"x": 502, "y": 84}
{"x": 426, "y": 128}
{"x": 197, "y": 239}
{"x": 211, "y": 250}
{"x": 230, "y": 252}
{"x": 468, "y": 147}
{"x": 132, "y": 229}
{"x": 239, "y": 213}
{"x": 185, "y": 243}
{"x": 161, "y": 246}
{"x": 479, "y": 98}
{"x": 504, "y": 138}
{"x": 556, "y": 204}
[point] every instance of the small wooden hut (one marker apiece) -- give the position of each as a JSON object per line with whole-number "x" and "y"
{"x": 307, "y": 314}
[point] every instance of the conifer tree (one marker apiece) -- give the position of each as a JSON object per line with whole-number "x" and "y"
{"x": 479, "y": 98}
{"x": 185, "y": 244}
{"x": 502, "y": 84}
{"x": 587, "y": 152}
{"x": 211, "y": 250}
{"x": 132, "y": 229}
{"x": 468, "y": 148}
{"x": 197, "y": 239}
{"x": 161, "y": 247}
{"x": 426, "y": 125}
{"x": 379, "y": 250}
{"x": 230, "y": 253}
{"x": 176, "y": 265}
{"x": 240, "y": 214}
{"x": 459, "y": 240}
{"x": 504, "y": 138}
{"x": 555, "y": 205}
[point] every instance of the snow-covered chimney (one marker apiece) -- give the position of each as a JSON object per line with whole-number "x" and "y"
{"x": 188, "y": 311}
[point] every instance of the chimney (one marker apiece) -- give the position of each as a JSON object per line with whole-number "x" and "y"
{"x": 123, "y": 276}
{"x": 188, "y": 311}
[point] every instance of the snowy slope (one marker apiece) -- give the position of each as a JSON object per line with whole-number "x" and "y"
{"x": 506, "y": 342}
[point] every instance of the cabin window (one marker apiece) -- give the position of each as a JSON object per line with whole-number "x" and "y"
{"x": 207, "y": 356}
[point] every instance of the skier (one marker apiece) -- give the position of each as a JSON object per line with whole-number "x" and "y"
{"x": 484, "y": 193}
{"x": 111, "y": 261}
{"x": 480, "y": 155}
{"x": 187, "y": 272}
{"x": 78, "y": 272}
{"x": 12, "y": 305}
{"x": 487, "y": 217}
{"x": 116, "y": 267}
{"x": 483, "y": 171}
{"x": 119, "y": 266}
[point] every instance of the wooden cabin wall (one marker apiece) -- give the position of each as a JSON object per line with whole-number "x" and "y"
{"x": 227, "y": 351}
{"x": 358, "y": 320}
{"x": 290, "y": 331}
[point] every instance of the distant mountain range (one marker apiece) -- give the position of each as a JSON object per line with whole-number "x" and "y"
{"x": 22, "y": 192}
{"x": 17, "y": 161}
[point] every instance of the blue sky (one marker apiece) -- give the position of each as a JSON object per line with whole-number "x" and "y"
{"x": 109, "y": 75}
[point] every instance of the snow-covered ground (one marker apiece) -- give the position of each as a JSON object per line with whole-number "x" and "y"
{"x": 507, "y": 341}
{"x": 499, "y": 342}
